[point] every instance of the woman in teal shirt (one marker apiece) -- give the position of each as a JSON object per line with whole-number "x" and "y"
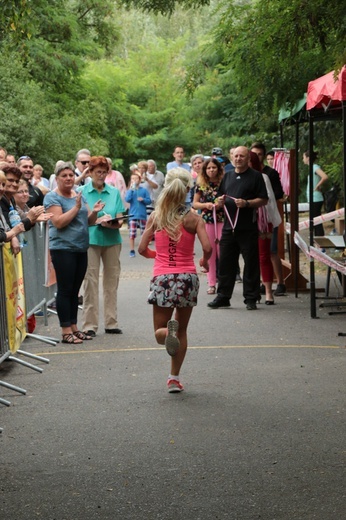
{"x": 104, "y": 243}
{"x": 319, "y": 177}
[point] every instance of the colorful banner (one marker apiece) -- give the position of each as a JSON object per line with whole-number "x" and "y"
{"x": 317, "y": 254}
{"x": 15, "y": 298}
{"x": 326, "y": 217}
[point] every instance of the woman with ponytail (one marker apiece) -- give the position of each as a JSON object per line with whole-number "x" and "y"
{"x": 175, "y": 283}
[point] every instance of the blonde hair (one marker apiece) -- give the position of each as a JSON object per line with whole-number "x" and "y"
{"x": 169, "y": 209}
{"x": 2, "y": 176}
{"x": 144, "y": 164}
{"x": 22, "y": 182}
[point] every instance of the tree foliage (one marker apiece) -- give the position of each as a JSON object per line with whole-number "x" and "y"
{"x": 122, "y": 78}
{"x": 275, "y": 48}
{"x": 165, "y": 6}
{"x": 54, "y": 38}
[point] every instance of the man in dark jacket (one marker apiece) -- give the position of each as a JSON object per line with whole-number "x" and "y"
{"x": 241, "y": 192}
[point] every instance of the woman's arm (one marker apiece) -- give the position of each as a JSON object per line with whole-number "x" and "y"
{"x": 146, "y": 238}
{"x": 205, "y": 243}
{"x": 122, "y": 186}
{"x": 15, "y": 246}
{"x": 323, "y": 176}
{"x": 201, "y": 205}
{"x": 92, "y": 214}
{"x": 59, "y": 219}
{"x": 34, "y": 213}
{"x": 113, "y": 225}
{"x": 6, "y": 236}
{"x": 196, "y": 198}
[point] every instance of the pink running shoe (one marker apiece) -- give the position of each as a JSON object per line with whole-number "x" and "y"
{"x": 174, "y": 386}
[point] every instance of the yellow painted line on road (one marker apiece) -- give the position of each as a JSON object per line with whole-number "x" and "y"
{"x": 149, "y": 349}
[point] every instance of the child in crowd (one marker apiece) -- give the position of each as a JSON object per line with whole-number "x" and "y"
{"x": 175, "y": 283}
{"x": 138, "y": 198}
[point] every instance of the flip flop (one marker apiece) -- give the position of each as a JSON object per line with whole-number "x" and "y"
{"x": 82, "y": 335}
{"x": 71, "y": 339}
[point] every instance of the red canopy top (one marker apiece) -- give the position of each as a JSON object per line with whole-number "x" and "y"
{"x": 326, "y": 90}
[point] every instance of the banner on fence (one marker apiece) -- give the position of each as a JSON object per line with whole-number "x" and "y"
{"x": 326, "y": 217}
{"x": 15, "y": 298}
{"x": 317, "y": 254}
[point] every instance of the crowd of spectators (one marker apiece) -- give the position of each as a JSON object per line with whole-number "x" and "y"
{"x": 226, "y": 191}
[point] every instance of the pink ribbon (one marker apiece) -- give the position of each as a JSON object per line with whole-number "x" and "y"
{"x": 233, "y": 224}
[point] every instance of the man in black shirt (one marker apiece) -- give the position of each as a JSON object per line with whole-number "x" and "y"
{"x": 241, "y": 191}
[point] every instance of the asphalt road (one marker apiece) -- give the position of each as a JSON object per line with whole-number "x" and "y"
{"x": 259, "y": 432}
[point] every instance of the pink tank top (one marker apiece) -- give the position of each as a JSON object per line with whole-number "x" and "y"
{"x": 174, "y": 257}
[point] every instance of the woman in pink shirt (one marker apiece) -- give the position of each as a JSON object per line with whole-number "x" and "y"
{"x": 175, "y": 283}
{"x": 116, "y": 179}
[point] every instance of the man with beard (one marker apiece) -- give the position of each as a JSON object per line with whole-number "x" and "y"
{"x": 26, "y": 166}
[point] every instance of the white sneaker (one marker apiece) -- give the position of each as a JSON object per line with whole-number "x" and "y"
{"x": 174, "y": 386}
{"x": 172, "y": 343}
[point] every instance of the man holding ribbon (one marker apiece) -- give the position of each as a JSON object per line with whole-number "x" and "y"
{"x": 241, "y": 192}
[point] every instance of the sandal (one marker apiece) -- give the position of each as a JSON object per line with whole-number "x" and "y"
{"x": 211, "y": 290}
{"x": 82, "y": 335}
{"x": 70, "y": 339}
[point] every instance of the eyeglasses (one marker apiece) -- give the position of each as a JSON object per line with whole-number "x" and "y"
{"x": 22, "y": 192}
{"x": 84, "y": 162}
{"x": 24, "y": 157}
{"x": 16, "y": 181}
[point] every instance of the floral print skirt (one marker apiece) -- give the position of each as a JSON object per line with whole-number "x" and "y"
{"x": 174, "y": 290}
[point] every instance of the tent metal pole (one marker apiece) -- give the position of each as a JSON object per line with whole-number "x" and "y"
{"x": 344, "y": 159}
{"x": 311, "y": 218}
{"x": 296, "y": 202}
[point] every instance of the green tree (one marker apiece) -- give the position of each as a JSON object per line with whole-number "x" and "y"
{"x": 31, "y": 123}
{"x": 164, "y": 6}
{"x": 54, "y": 38}
{"x": 106, "y": 84}
{"x": 275, "y": 48}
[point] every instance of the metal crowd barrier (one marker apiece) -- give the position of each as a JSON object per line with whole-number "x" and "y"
{"x": 37, "y": 296}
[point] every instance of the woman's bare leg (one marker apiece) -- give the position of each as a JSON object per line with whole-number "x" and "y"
{"x": 182, "y": 315}
{"x": 161, "y": 315}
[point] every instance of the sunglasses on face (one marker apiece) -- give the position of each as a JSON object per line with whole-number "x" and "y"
{"x": 84, "y": 162}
